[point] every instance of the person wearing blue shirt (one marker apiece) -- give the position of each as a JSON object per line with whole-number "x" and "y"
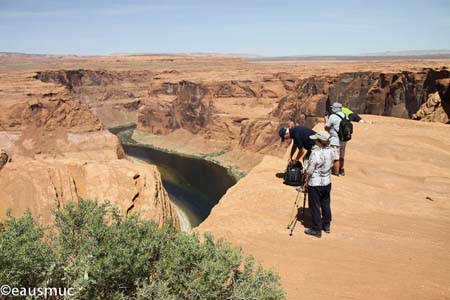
{"x": 301, "y": 136}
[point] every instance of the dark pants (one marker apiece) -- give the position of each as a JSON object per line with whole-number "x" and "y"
{"x": 319, "y": 199}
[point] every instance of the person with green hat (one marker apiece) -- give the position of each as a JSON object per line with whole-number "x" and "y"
{"x": 337, "y": 146}
{"x": 353, "y": 117}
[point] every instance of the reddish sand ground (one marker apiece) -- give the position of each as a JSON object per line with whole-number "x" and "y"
{"x": 390, "y": 234}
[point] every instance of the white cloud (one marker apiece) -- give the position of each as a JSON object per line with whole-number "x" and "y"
{"x": 135, "y": 9}
{"x": 25, "y": 13}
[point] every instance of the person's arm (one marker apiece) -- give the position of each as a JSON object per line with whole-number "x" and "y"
{"x": 294, "y": 147}
{"x": 329, "y": 123}
{"x": 312, "y": 163}
{"x": 300, "y": 153}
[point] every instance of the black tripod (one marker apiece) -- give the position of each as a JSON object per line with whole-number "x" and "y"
{"x": 297, "y": 210}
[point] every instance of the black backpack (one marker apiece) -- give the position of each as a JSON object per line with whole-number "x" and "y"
{"x": 345, "y": 129}
{"x": 293, "y": 174}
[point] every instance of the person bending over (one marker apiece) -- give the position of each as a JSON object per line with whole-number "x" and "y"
{"x": 301, "y": 136}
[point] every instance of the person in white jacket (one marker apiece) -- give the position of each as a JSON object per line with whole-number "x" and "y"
{"x": 318, "y": 184}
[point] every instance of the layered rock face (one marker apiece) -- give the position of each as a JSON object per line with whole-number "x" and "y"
{"x": 305, "y": 101}
{"x": 246, "y": 114}
{"x": 221, "y": 114}
{"x": 43, "y": 185}
{"x": 387, "y": 94}
{"x": 437, "y": 107}
{"x": 114, "y": 96}
{"x": 60, "y": 152}
{"x": 192, "y": 110}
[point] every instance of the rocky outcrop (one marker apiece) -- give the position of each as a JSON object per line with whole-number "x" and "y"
{"x": 115, "y": 96}
{"x": 437, "y": 106}
{"x": 56, "y": 113}
{"x": 306, "y": 104}
{"x": 49, "y": 170}
{"x": 3, "y": 158}
{"x": 268, "y": 88}
{"x": 61, "y": 154}
{"x": 444, "y": 93}
{"x": 32, "y": 104}
{"x": 388, "y": 94}
{"x": 205, "y": 108}
{"x": 45, "y": 184}
{"x": 191, "y": 110}
{"x": 258, "y": 136}
{"x": 432, "y": 110}
{"x": 236, "y": 89}
{"x": 73, "y": 79}
{"x": 289, "y": 80}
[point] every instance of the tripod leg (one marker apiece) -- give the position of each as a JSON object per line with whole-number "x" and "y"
{"x": 294, "y": 212}
{"x": 303, "y": 209}
{"x": 293, "y": 226}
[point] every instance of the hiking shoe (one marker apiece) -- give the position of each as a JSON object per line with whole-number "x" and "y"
{"x": 326, "y": 228}
{"x": 342, "y": 172}
{"x": 313, "y": 232}
{"x": 334, "y": 173}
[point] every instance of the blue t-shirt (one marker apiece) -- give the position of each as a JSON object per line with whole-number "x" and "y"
{"x": 301, "y": 135}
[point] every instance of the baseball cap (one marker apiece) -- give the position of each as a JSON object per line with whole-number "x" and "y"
{"x": 321, "y": 135}
{"x": 282, "y": 133}
{"x": 336, "y": 106}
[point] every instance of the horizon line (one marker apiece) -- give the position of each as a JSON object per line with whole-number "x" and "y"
{"x": 386, "y": 53}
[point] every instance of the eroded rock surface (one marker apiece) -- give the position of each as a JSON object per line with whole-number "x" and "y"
{"x": 192, "y": 110}
{"x": 3, "y": 158}
{"x": 245, "y": 114}
{"x": 62, "y": 153}
{"x": 42, "y": 185}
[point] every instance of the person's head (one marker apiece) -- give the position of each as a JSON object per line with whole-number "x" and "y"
{"x": 336, "y": 107}
{"x": 321, "y": 138}
{"x": 284, "y": 134}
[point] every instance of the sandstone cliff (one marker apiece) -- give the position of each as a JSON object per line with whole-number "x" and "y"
{"x": 303, "y": 101}
{"x": 42, "y": 185}
{"x": 387, "y": 94}
{"x": 60, "y": 152}
{"x": 192, "y": 110}
{"x": 229, "y": 113}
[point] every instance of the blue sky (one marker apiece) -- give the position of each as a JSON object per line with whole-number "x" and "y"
{"x": 254, "y": 27}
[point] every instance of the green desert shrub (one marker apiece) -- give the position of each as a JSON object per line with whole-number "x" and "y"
{"x": 25, "y": 256}
{"x": 103, "y": 255}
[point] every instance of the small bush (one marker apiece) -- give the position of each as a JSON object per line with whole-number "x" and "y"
{"x": 25, "y": 256}
{"x": 103, "y": 255}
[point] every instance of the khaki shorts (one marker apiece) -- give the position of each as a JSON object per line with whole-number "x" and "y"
{"x": 335, "y": 151}
{"x": 342, "y": 146}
